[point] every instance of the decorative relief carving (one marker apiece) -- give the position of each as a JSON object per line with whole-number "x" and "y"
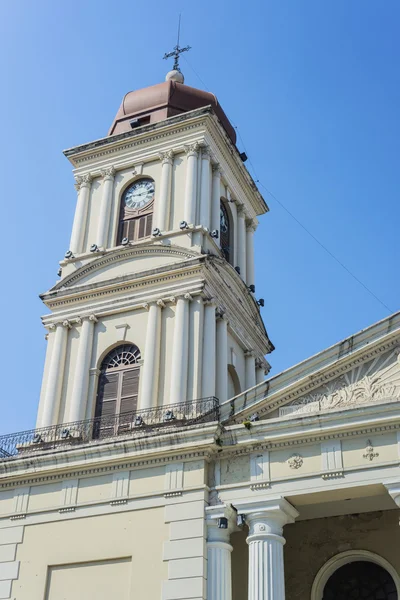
{"x": 108, "y": 173}
{"x": 370, "y": 454}
{"x": 295, "y": 461}
{"x": 83, "y": 181}
{"x": 375, "y": 381}
{"x": 166, "y": 157}
{"x": 192, "y": 149}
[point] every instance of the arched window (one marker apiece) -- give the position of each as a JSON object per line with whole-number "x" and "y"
{"x": 136, "y": 214}
{"x": 225, "y": 232}
{"x": 360, "y": 579}
{"x": 119, "y": 382}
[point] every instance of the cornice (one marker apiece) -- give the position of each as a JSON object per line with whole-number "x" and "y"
{"x": 121, "y": 254}
{"x": 240, "y": 181}
{"x": 110, "y": 455}
{"x": 312, "y": 381}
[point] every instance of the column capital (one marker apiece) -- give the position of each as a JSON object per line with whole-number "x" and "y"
{"x": 241, "y": 212}
{"x": 160, "y": 303}
{"x": 216, "y": 170}
{"x": 188, "y": 297}
{"x": 250, "y": 226}
{"x": 91, "y": 318}
{"x": 83, "y": 181}
{"x": 172, "y": 299}
{"x": 205, "y": 152}
{"x": 221, "y": 522}
{"x": 166, "y": 157}
{"x": 250, "y": 354}
{"x": 266, "y": 518}
{"x": 108, "y": 173}
{"x": 145, "y": 305}
{"x": 192, "y": 149}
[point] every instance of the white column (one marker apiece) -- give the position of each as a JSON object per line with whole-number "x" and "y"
{"x": 105, "y": 207}
{"x": 241, "y": 242}
{"x": 209, "y": 351}
{"x": 163, "y": 196}
{"x": 83, "y": 185}
{"x": 266, "y": 569}
{"x": 191, "y": 183}
{"x": 250, "y": 229}
{"x": 205, "y": 189}
{"x": 219, "y": 550}
{"x": 179, "y": 368}
{"x": 151, "y": 363}
{"x": 216, "y": 200}
{"x": 250, "y": 370}
{"x": 78, "y": 401}
{"x": 195, "y": 354}
{"x": 260, "y": 374}
{"x": 394, "y": 488}
{"x": 232, "y": 206}
{"x": 222, "y": 358}
{"x": 55, "y": 376}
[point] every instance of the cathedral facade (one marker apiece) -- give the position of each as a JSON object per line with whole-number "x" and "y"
{"x": 164, "y": 465}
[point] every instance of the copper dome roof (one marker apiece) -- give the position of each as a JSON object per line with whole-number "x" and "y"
{"x": 158, "y": 102}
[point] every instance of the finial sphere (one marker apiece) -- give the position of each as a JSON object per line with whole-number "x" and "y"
{"x": 175, "y": 76}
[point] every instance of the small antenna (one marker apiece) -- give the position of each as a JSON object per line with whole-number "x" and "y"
{"x": 177, "y": 50}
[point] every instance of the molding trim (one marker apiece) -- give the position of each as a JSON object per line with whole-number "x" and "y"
{"x": 339, "y": 560}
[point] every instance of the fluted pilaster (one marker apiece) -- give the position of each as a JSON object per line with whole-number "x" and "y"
{"x": 105, "y": 207}
{"x": 83, "y": 186}
{"x": 190, "y": 206}
{"x": 216, "y": 200}
{"x": 179, "y": 367}
{"x": 151, "y": 364}
{"x": 205, "y": 188}
{"x": 78, "y": 402}
{"x": 55, "y": 375}
{"x": 163, "y": 198}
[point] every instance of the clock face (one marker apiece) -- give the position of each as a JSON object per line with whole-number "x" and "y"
{"x": 139, "y": 194}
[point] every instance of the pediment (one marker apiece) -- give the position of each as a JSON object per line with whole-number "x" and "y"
{"x": 376, "y": 381}
{"x": 120, "y": 264}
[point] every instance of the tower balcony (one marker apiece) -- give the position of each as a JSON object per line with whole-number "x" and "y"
{"x": 161, "y": 420}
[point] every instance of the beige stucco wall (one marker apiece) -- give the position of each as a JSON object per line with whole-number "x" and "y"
{"x": 133, "y": 541}
{"x": 310, "y": 544}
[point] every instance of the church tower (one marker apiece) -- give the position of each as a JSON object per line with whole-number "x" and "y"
{"x": 155, "y": 304}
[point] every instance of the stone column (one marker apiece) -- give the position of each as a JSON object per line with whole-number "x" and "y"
{"x": 250, "y": 374}
{"x": 222, "y": 358}
{"x": 232, "y": 206}
{"x": 179, "y": 367}
{"x": 151, "y": 363}
{"x": 191, "y": 183}
{"x": 241, "y": 242}
{"x": 105, "y": 207}
{"x": 216, "y": 201}
{"x": 221, "y": 521}
{"x": 78, "y": 401}
{"x": 55, "y": 375}
{"x": 195, "y": 354}
{"x": 266, "y": 570}
{"x": 209, "y": 351}
{"x": 250, "y": 229}
{"x": 205, "y": 190}
{"x": 83, "y": 185}
{"x": 260, "y": 373}
{"x": 163, "y": 197}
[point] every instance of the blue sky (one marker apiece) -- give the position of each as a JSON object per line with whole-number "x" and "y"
{"x": 314, "y": 89}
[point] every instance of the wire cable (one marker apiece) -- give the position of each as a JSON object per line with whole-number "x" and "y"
{"x": 257, "y": 180}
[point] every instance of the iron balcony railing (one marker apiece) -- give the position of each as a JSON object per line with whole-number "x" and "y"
{"x": 162, "y": 419}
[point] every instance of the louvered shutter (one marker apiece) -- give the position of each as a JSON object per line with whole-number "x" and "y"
{"x": 141, "y": 224}
{"x": 149, "y": 224}
{"x": 108, "y": 394}
{"x": 129, "y": 390}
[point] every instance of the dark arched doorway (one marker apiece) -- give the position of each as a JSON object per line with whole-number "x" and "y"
{"x": 360, "y": 580}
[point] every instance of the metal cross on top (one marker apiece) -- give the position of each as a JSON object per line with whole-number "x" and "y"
{"x": 177, "y": 51}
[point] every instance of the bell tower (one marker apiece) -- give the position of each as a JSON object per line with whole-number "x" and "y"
{"x": 155, "y": 303}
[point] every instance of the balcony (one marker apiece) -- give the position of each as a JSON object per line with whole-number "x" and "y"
{"x": 162, "y": 420}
